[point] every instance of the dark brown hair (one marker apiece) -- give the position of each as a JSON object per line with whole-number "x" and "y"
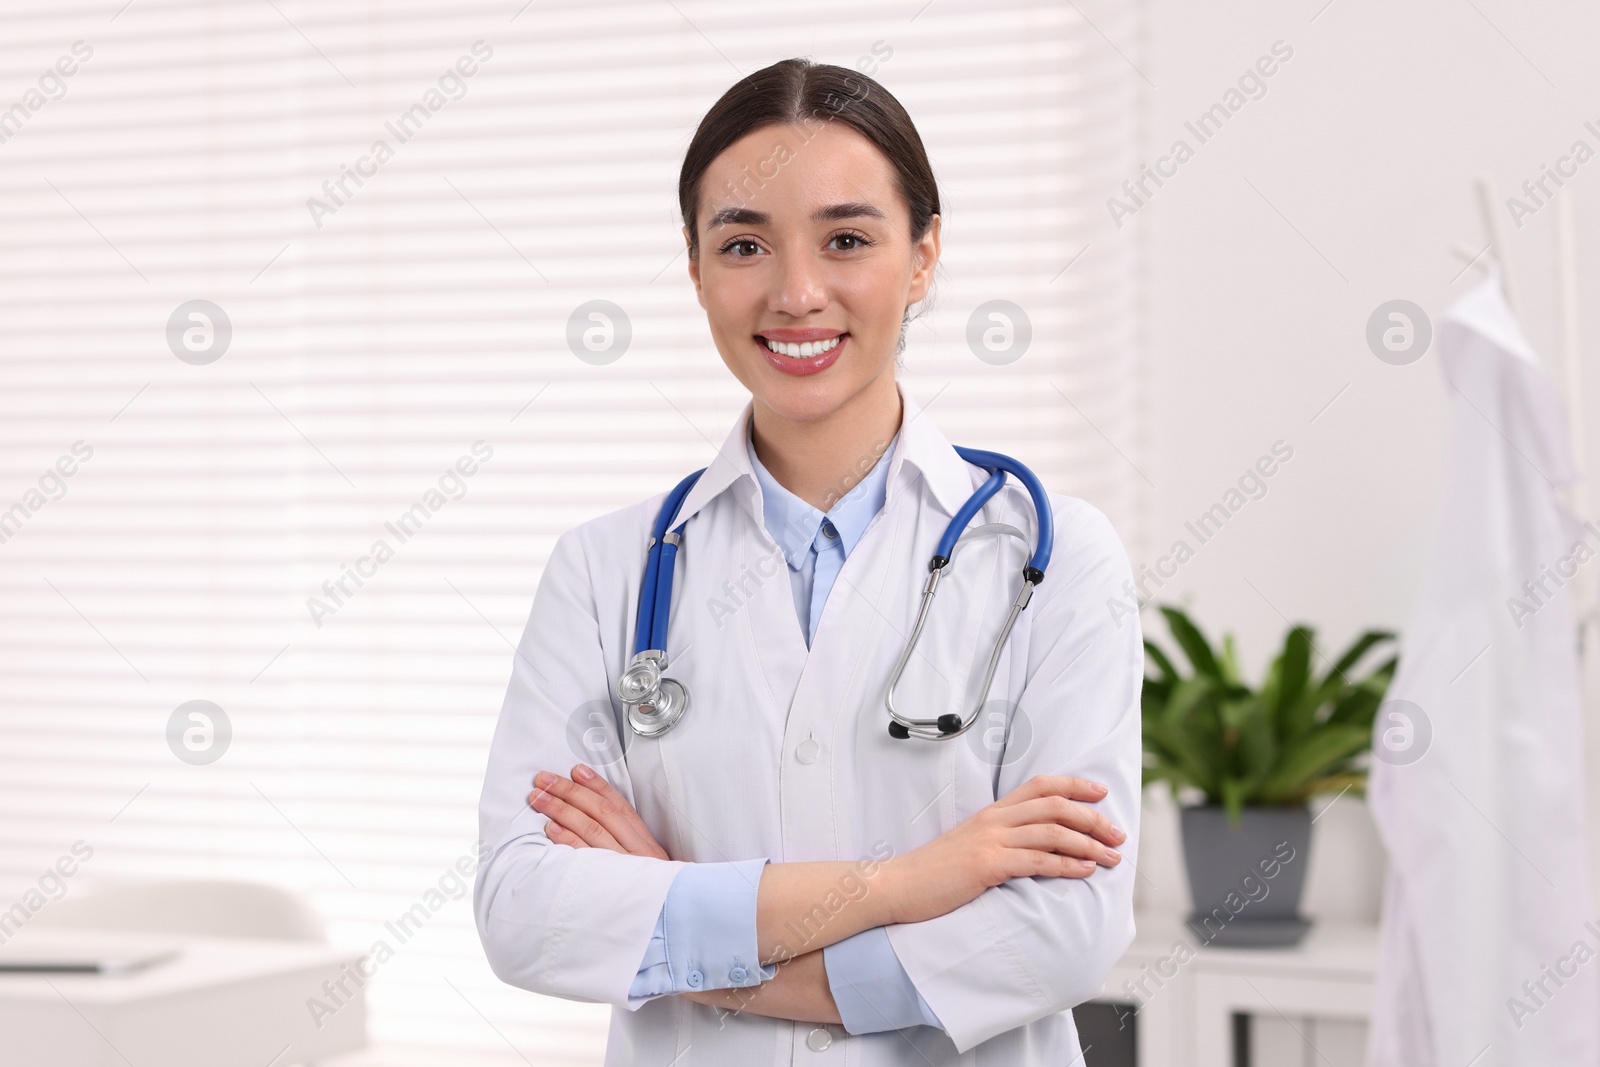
{"x": 800, "y": 92}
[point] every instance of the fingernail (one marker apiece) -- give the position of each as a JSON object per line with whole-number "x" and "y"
{"x": 582, "y": 773}
{"x": 543, "y": 778}
{"x": 1100, "y": 786}
{"x": 1114, "y": 854}
{"x": 1087, "y": 865}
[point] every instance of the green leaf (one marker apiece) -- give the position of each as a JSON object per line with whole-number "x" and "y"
{"x": 1236, "y": 710}
{"x": 1294, "y": 735}
{"x": 1258, "y": 742}
{"x": 1153, "y": 696}
{"x": 1338, "y": 677}
{"x": 1229, "y": 663}
{"x": 1297, "y": 648}
{"x": 1355, "y": 705}
{"x": 1180, "y": 765}
{"x": 1186, "y": 697}
{"x": 1310, "y": 757}
{"x": 1194, "y": 645}
{"x": 1357, "y": 649}
{"x": 1233, "y": 800}
{"x": 1163, "y": 664}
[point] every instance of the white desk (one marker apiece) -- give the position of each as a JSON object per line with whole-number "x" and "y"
{"x": 224, "y": 1002}
{"x": 1187, "y": 999}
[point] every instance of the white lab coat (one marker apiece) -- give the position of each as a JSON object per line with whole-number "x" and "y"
{"x": 726, "y": 782}
{"x": 1488, "y": 885}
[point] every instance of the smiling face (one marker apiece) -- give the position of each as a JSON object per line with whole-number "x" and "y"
{"x": 805, "y": 266}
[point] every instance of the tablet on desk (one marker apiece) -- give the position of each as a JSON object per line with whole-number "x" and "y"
{"x": 86, "y": 952}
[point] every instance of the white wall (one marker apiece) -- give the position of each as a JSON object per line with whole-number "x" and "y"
{"x": 1366, "y": 141}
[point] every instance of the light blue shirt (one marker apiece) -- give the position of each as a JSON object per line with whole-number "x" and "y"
{"x": 816, "y": 544}
{"x": 706, "y": 935}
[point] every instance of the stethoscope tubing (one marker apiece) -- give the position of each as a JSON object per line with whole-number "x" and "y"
{"x": 648, "y": 630}
{"x": 996, "y": 463}
{"x": 655, "y": 596}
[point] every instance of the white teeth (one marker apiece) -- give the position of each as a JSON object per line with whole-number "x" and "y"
{"x": 805, "y": 350}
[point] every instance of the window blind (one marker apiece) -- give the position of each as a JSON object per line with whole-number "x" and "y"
{"x": 290, "y": 422}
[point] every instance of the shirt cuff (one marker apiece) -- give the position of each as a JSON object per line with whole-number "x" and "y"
{"x": 705, "y": 936}
{"x": 871, "y": 988}
{"x": 653, "y": 979}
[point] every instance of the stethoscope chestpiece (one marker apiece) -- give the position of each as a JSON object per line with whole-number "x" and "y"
{"x": 642, "y": 678}
{"x": 654, "y": 717}
{"x": 655, "y": 703}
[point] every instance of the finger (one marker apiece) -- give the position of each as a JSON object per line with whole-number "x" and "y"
{"x": 544, "y": 802}
{"x": 562, "y": 836}
{"x": 591, "y": 803}
{"x": 576, "y": 796}
{"x": 631, "y": 829}
{"x": 585, "y": 810}
{"x": 1025, "y": 862}
{"x": 1041, "y": 785}
{"x": 1058, "y": 809}
{"x": 575, "y": 824}
{"x": 548, "y": 801}
{"x": 1053, "y": 837}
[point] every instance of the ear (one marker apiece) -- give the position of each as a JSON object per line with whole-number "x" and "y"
{"x": 924, "y": 257}
{"x": 694, "y": 270}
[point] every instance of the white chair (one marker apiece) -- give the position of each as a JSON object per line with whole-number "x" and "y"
{"x": 202, "y": 907}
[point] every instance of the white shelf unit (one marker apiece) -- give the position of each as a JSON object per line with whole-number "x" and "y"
{"x": 1309, "y": 1002}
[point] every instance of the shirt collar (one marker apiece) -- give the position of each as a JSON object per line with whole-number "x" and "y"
{"x": 919, "y": 448}
{"x": 793, "y": 523}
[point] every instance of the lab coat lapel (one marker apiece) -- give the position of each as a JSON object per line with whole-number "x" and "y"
{"x": 844, "y": 634}
{"x": 772, "y": 635}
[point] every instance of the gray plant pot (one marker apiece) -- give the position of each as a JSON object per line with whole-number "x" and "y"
{"x": 1246, "y": 881}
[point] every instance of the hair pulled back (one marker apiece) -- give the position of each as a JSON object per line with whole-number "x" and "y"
{"x": 800, "y": 92}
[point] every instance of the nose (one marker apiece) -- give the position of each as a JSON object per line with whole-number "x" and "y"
{"x": 799, "y": 288}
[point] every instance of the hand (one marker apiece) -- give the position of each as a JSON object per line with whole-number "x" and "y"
{"x": 586, "y": 811}
{"x": 1036, "y": 829}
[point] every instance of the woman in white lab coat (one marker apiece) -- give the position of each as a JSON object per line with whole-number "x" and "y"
{"x": 788, "y": 882}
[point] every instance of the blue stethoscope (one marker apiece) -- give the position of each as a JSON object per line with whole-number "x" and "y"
{"x": 655, "y": 702}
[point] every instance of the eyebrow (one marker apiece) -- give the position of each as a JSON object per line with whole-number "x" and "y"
{"x": 743, "y": 216}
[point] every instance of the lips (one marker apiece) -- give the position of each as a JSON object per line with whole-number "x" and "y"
{"x": 832, "y": 343}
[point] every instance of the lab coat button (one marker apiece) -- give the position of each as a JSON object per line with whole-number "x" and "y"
{"x": 807, "y": 750}
{"x": 819, "y": 1039}
{"x": 696, "y": 979}
{"x": 738, "y": 974}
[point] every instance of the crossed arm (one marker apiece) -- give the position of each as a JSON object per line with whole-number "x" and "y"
{"x": 1039, "y": 828}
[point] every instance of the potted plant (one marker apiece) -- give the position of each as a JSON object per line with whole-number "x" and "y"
{"x": 1256, "y": 755}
